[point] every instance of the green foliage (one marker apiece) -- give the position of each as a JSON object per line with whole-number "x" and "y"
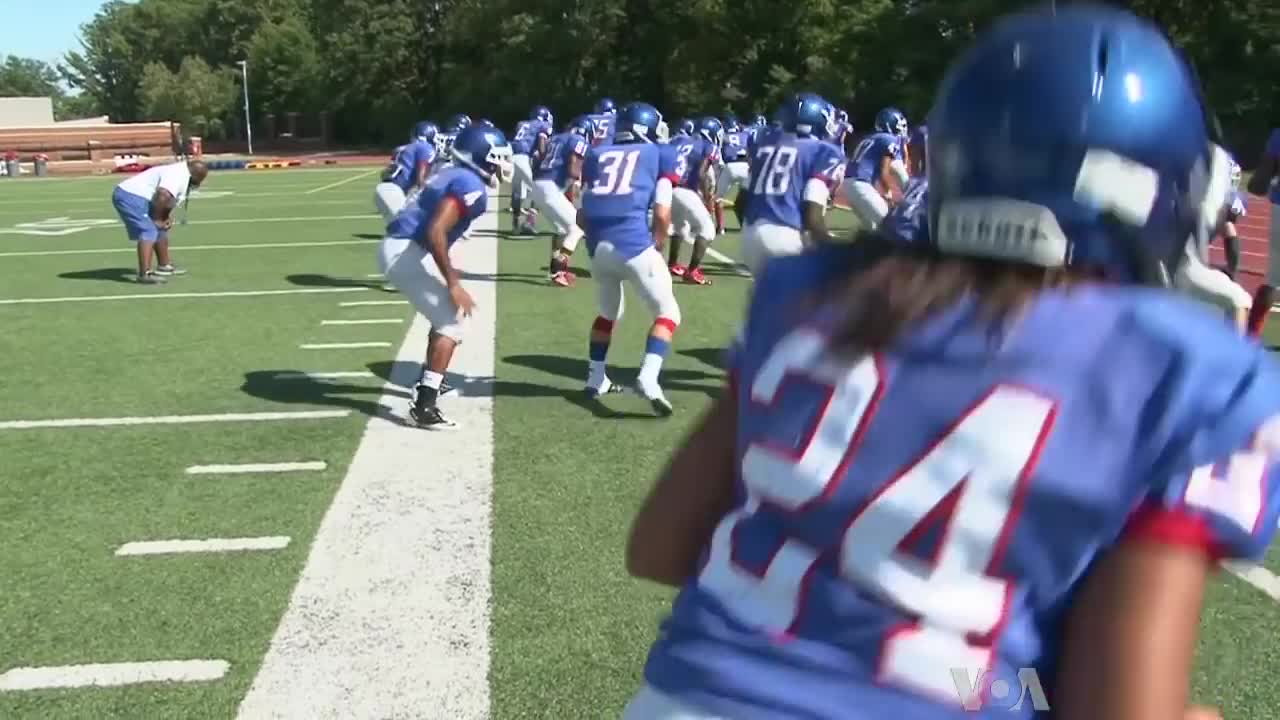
{"x": 197, "y": 96}
{"x": 25, "y": 77}
{"x": 378, "y": 65}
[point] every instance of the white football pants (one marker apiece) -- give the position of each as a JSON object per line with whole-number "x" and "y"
{"x": 649, "y": 278}
{"x": 563, "y": 214}
{"x": 522, "y": 183}
{"x": 413, "y": 272}
{"x": 867, "y": 203}
{"x": 762, "y": 241}
{"x": 734, "y": 174}
{"x": 1210, "y": 286}
{"x": 689, "y": 216}
{"x": 389, "y": 199}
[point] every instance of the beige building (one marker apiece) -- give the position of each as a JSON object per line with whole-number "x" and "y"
{"x": 25, "y": 111}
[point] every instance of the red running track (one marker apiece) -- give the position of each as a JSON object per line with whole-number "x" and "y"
{"x": 1254, "y": 230}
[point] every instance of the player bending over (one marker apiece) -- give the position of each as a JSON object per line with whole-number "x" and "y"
{"x": 414, "y": 256}
{"x": 793, "y": 171}
{"x": 691, "y": 199}
{"x": 560, "y": 171}
{"x": 622, "y": 182}
{"x": 529, "y": 142}
{"x": 736, "y": 168}
{"x": 879, "y": 173}
{"x": 408, "y": 172}
{"x": 985, "y": 460}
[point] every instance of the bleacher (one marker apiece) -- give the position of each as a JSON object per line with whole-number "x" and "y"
{"x": 90, "y": 142}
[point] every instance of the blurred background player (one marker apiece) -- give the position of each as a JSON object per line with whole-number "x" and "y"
{"x": 414, "y": 255}
{"x": 878, "y": 173}
{"x": 907, "y": 221}
{"x": 623, "y": 182}
{"x": 691, "y": 222}
{"x": 1263, "y": 183}
{"x": 793, "y": 172}
{"x": 1236, "y": 208}
{"x": 986, "y": 458}
{"x": 560, "y": 171}
{"x": 408, "y": 172}
{"x": 603, "y": 121}
{"x": 528, "y": 142}
{"x": 447, "y": 134}
{"x": 736, "y": 170}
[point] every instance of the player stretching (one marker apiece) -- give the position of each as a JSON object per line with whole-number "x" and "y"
{"x": 1000, "y": 460}
{"x": 559, "y": 172}
{"x": 529, "y": 142}
{"x": 622, "y": 182}
{"x": 692, "y": 198}
{"x": 414, "y": 256}
{"x": 407, "y": 173}
{"x": 793, "y": 171}
{"x": 736, "y": 168}
{"x": 878, "y": 173}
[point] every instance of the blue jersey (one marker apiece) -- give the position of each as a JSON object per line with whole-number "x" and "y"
{"x": 736, "y": 145}
{"x": 1273, "y": 150}
{"x": 554, "y": 164}
{"x": 403, "y": 170}
{"x": 908, "y": 221}
{"x": 690, "y": 153}
{"x": 867, "y": 156}
{"x": 455, "y": 184}
{"x": 604, "y": 126}
{"x": 895, "y": 508}
{"x": 781, "y": 165}
{"x": 524, "y": 141}
{"x": 619, "y": 182}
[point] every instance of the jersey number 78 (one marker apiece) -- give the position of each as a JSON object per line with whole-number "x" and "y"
{"x": 773, "y": 175}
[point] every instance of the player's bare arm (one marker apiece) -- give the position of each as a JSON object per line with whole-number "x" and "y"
{"x": 1128, "y": 651}
{"x": 661, "y": 225}
{"x": 162, "y": 205}
{"x": 693, "y": 493}
{"x": 420, "y": 181}
{"x": 888, "y": 180}
{"x": 445, "y": 218}
{"x": 815, "y": 223}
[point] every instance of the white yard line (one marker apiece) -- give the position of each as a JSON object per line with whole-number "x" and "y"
{"x": 371, "y": 303}
{"x": 342, "y": 182}
{"x": 162, "y": 295}
{"x": 1257, "y": 576}
{"x": 325, "y": 375}
{"x": 343, "y": 346}
{"x": 372, "y": 321}
{"x": 391, "y": 615}
{"x": 171, "y": 419}
{"x": 209, "y": 545}
{"x": 111, "y": 674}
{"x": 224, "y": 221}
{"x": 187, "y": 248}
{"x": 738, "y": 267}
{"x": 310, "y": 465}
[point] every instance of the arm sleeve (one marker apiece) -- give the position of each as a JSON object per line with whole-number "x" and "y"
{"x": 662, "y": 192}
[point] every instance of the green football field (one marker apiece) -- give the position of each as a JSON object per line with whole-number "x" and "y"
{"x": 173, "y": 457}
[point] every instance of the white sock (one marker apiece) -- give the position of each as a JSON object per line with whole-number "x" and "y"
{"x": 431, "y": 379}
{"x": 649, "y": 368}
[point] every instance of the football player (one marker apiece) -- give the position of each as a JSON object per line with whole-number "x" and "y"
{"x": 408, "y": 171}
{"x": 736, "y": 169}
{"x": 529, "y": 141}
{"x": 692, "y": 198}
{"x": 623, "y": 182}
{"x": 879, "y": 173}
{"x": 559, "y": 172}
{"x": 603, "y": 120}
{"x": 908, "y": 220}
{"x": 414, "y": 255}
{"x": 1012, "y": 458}
{"x": 1262, "y": 183}
{"x": 793, "y": 172}
{"x": 1236, "y": 209}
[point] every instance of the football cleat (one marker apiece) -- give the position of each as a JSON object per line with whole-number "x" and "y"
{"x": 677, "y": 270}
{"x": 657, "y": 400}
{"x": 696, "y": 277}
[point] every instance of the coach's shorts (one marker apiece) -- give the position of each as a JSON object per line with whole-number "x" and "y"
{"x": 413, "y": 272}
{"x": 134, "y": 212}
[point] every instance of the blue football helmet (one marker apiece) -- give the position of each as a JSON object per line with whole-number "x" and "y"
{"x": 458, "y": 122}
{"x": 583, "y": 126}
{"x": 891, "y": 120}
{"x": 543, "y": 113}
{"x": 484, "y": 149}
{"x": 761, "y": 121}
{"x": 425, "y": 131}
{"x": 605, "y": 105}
{"x": 808, "y": 115}
{"x": 685, "y": 127}
{"x": 640, "y": 122}
{"x": 730, "y": 122}
{"x": 1074, "y": 139}
{"x": 711, "y": 130}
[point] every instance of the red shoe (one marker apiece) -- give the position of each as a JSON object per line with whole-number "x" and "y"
{"x": 564, "y": 278}
{"x": 677, "y": 270}
{"x": 1263, "y": 298}
{"x": 695, "y": 277}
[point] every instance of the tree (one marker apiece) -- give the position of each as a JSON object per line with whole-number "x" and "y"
{"x": 197, "y": 96}
{"x": 25, "y": 77}
{"x": 285, "y": 70}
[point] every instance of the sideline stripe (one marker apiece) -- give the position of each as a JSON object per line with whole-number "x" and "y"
{"x": 372, "y": 303}
{"x": 172, "y": 419}
{"x": 343, "y": 346}
{"x": 340, "y": 183}
{"x": 374, "y": 321}
{"x": 111, "y": 674}
{"x": 185, "y": 248}
{"x": 256, "y": 468}
{"x": 214, "y": 545}
{"x": 324, "y": 375}
{"x": 738, "y": 267}
{"x": 161, "y": 295}
{"x": 401, "y": 550}
{"x": 1257, "y": 576}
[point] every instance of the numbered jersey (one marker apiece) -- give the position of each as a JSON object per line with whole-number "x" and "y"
{"x": 781, "y": 166}
{"x": 867, "y": 156}
{"x": 618, "y": 189}
{"x": 690, "y": 154}
{"x": 455, "y": 184}
{"x": 912, "y": 525}
{"x": 735, "y": 146}
{"x": 908, "y": 221}
{"x": 554, "y": 164}
{"x": 524, "y": 141}
{"x": 604, "y": 126}
{"x": 403, "y": 170}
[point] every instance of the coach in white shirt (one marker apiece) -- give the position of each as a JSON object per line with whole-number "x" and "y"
{"x": 146, "y": 202}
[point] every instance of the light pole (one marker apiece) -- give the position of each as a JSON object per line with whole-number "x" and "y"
{"x": 244, "y": 82}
